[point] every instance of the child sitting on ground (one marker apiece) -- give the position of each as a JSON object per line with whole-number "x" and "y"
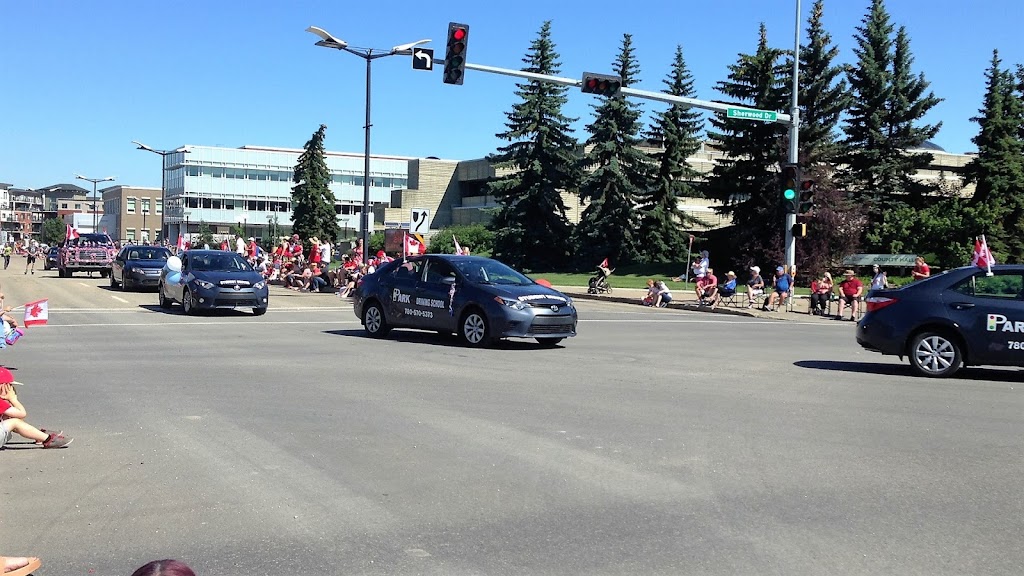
{"x": 12, "y": 415}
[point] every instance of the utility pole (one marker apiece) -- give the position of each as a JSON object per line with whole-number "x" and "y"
{"x": 794, "y": 137}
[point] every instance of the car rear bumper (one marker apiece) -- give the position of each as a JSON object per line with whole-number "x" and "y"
{"x": 880, "y": 337}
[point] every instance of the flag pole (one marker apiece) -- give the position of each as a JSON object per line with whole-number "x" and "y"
{"x": 988, "y": 255}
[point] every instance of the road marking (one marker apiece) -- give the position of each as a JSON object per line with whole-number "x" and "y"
{"x": 769, "y": 322}
{"x": 119, "y": 299}
{"x": 87, "y": 285}
{"x": 234, "y": 322}
{"x": 145, "y": 311}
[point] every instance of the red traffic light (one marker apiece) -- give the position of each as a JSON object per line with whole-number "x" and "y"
{"x": 601, "y": 84}
{"x": 459, "y": 33}
{"x": 807, "y": 185}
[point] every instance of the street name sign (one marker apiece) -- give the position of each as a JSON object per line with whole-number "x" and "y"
{"x": 748, "y": 114}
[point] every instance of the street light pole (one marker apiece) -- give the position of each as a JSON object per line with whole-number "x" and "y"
{"x": 329, "y": 41}
{"x": 794, "y": 138}
{"x": 94, "y": 182}
{"x": 163, "y": 181}
{"x": 144, "y": 214}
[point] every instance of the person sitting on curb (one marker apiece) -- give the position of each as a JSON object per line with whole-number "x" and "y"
{"x": 12, "y": 414}
{"x": 662, "y": 295}
{"x": 652, "y": 293}
{"x": 726, "y": 291}
{"x": 707, "y": 288}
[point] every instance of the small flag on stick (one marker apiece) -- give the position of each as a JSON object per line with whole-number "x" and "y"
{"x": 37, "y": 312}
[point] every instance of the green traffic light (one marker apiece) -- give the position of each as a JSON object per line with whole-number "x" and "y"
{"x": 789, "y": 194}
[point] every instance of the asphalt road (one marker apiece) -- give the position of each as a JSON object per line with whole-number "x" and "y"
{"x": 656, "y": 442}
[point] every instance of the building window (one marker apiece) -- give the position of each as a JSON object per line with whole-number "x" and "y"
{"x": 145, "y": 205}
{"x": 130, "y": 209}
{"x": 63, "y": 205}
{"x": 159, "y": 206}
{"x": 78, "y": 206}
{"x": 129, "y": 234}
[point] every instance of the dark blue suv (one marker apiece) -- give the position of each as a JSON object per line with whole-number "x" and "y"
{"x": 961, "y": 317}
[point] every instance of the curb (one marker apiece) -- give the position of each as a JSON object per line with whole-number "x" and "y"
{"x": 693, "y": 307}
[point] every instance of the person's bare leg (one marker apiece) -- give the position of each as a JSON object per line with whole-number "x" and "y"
{"x": 26, "y": 430}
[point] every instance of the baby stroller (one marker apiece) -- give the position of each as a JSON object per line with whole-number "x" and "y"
{"x": 598, "y": 283}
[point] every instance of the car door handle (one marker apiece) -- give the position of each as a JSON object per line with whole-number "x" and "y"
{"x": 962, "y": 305}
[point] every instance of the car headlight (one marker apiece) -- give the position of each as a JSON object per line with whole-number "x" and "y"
{"x": 260, "y": 285}
{"x": 204, "y": 284}
{"x": 514, "y": 304}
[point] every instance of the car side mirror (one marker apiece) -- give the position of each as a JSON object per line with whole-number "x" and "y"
{"x": 448, "y": 280}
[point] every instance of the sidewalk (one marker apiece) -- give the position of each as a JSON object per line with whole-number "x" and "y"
{"x": 686, "y": 299}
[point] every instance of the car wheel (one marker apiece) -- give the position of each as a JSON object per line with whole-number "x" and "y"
{"x": 473, "y": 329}
{"x": 259, "y": 311}
{"x": 124, "y": 282}
{"x": 549, "y": 342}
{"x": 188, "y": 303}
{"x": 104, "y": 273}
{"x": 934, "y": 355}
{"x": 374, "y": 321}
{"x": 113, "y": 283}
{"x": 164, "y": 302}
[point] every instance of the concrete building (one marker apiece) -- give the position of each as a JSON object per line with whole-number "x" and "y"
{"x": 132, "y": 213}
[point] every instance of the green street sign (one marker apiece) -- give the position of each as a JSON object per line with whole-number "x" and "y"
{"x": 748, "y": 114}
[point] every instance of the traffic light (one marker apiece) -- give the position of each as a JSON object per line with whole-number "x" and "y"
{"x": 455, "y": 53}
{"x": 790, "y": 179}
{"x": 800, "y": 230}
{"x": 601, "y": 84}
{"x": 806, "y": 197}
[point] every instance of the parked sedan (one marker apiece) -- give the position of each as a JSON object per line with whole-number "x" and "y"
{"x": 960, "y": 317}
{"x": 479, "y": 299}
{"x": 51, "y": 258}
{"x": 213, "y": 279}
{"x": 138, "y": 266}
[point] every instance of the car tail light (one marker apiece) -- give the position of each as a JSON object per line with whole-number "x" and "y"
{"x": 876, "y": 303}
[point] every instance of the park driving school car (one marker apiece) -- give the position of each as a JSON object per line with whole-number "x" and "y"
{"x": 961, "y": 317}
{"x": 479, "y": 299}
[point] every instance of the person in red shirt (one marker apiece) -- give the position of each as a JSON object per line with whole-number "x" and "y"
{"x": 314, "y": 250}
{"x": 12, "y": 414}
{"x": 850, "y": 291}
{"x": 921, "y": 270}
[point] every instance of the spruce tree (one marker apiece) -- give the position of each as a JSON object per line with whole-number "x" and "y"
{"x": 531, "y": 229}
{"x": 835, "y": 222}
{"x": 824, "y": 94}
{"x": 746, "y": 180}
{"x": 677, "y": 130}
{"x": 871, "y": 85}
{"x": 881, "y": 129}
{"x": 312, "y": 200}
{"x": 998, "y": 169}
{"x": 621, "y": 174}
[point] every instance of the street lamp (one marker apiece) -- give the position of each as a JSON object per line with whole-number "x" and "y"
{"x": 187, "y": 214}
{"x": 94, "y": 181}
{"x": 163, "y": 181}
{"x": 329, "y": 41}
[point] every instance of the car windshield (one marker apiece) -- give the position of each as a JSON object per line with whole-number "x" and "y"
{"x": 148, "y": 254}
{"x": 91, "y": 240}
{"x": 227, "y": 262}
{"x": 485, "y": 271}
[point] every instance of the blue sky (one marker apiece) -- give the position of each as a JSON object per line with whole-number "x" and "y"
{"x": 84, "y": 79}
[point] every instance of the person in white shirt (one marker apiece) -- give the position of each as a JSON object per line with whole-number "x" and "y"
{"x": 664, "y": 295}
{"x": 325, "y": 253}
{"x": 239, "y": 245}
{"x": 880, "y": 281}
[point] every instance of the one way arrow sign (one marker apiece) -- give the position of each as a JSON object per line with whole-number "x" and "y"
{"x": 422, "y": 59}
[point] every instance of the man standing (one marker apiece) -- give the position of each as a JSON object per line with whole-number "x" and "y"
{"x": 239, "y": 245}
{"x": 30, "y": 260}
{"x": 8, "y": 250}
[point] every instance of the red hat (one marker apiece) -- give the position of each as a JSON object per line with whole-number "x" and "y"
{"x": 380, "y": 254}
{"x": 6, "y": 377}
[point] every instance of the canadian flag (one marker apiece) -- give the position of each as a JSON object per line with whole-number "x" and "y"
{"x": 603, "y": 264}
{"x": 181, "y": 243}
{"x": 36, "y": 312}
{"x": 458, "y": 249}
{"x": 70, "y": 233}
{"x": 982, "y": 255}
{"x": 412, "y": 245}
